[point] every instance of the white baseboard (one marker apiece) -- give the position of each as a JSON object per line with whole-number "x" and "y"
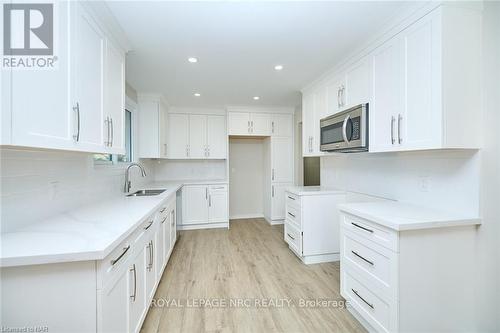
{"x": 274, "y": 222}
{"x": 203, "y": 226}
{"x": 246, "y": 216}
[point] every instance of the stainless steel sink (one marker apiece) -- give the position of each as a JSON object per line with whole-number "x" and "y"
{"x": 146, "y": 193}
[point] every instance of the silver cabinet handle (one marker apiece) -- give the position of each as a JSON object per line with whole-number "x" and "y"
{"x": 361, "y": 298}
{"x": 149, "y": 225}
{"x": 125, "y": 249}
{"x": 292, "y": 215}
{"x": 343, "y": 95}
{"x": 344, "y": 128}
{"x": 400, "y": 139}
{"x": 362, "y": 258}
{"x": 272, "y": 126}
{"x": 272, "y": 191}
{"x": 206, "y": 193}
{"x": 163, "y": 209}
{"x": 132, "y": 297}
{"x": 187, "y": 151}
{"x": 164, "y": 219}
{"x": 291, "y": 198}
{"x": 218, "y": 188}
{"x": 210, "y": 201}
{"x": 272, "y": 172}
{"x": 76, "y": 109}
{"x": 106, "y": 123}
{"x": 148, "y": 267}
{"x": 112, "y": 132}
{"x": 361, "y": 227}
{"x": 339, "y": 90}
{"x": 293, "y": 238}
{"x": 392, "y": 129}
{"x": 152, "y": 254}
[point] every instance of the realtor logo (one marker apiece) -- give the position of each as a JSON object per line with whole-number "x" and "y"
{"x": 28, "y": 29}
{"x": 28, "y": 35}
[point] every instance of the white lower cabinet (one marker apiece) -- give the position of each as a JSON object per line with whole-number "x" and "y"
{"x": 204, "y": 206}
{"x": 136, "y": 293}
{"x": 278, "y": 200}
{"x": 407, "y": 280}
{"x": 108, "y": 295}
{"x": 312, "y": 225}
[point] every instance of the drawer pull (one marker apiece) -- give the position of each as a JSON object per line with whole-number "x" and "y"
{"x": 125, "y": 249}
{"x": 149, "y": 225}
{"x": 132, "y": 297}
{"x": 164, "y": 219}
{"x": 293, "y": 238}
{"x": 361, "y": 298}
{"x": 361, "y": 227}
{"x": 363, "y": 258}
{"x": 291, "y": 214}
{"x": 218, "y": 188}
{"x": 291, "y": 198}
{"x": 161, "y": 211}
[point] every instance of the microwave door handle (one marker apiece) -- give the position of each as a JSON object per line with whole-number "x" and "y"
{"x": 344, "y": 128}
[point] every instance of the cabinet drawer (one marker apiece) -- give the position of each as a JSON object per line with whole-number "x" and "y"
{"x": 374, "y": 263}
{"x": 372, "y": 231}
{"x": 293, "y": 216}
{"x": 378, "y": 312}
{"x": 292, "y": 200}
{"x": 112, "y": 263}
{"x": 293, "y": 237}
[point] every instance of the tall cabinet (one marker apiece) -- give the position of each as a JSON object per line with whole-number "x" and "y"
{"x": 276, "y": 129}
{"x": 152, "y": 127}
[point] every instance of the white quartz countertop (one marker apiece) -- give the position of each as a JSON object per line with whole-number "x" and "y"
{"x": 89, "y": 232}
{"x": 402, "y": 216}
{"x": 313, "y": 190}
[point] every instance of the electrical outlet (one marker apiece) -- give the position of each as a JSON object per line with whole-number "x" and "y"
{"x": 424, "y": 183}
{"x": 53, "y": 189}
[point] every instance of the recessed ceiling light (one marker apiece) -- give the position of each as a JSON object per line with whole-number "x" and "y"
{"x": 256, "y": 98}
{"x": 278, "y": 67}
{"x": 197, "y": 94}
{"x": 193, "y": 60}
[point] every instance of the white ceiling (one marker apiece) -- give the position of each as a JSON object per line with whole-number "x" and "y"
{"x": 238, "y": 44}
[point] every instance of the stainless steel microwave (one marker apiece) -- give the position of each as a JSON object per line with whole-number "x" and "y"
{"x": 346, "y": 131}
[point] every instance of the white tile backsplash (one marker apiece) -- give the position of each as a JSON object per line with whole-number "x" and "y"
{"x": 438, "y": 179}
{"x": 36, "y": 184}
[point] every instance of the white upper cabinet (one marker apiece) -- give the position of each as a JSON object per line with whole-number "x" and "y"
{"x": 70, "y": 107}
{"x": 178, "y": 136}
{"x": 426, "y": 84}
{"x": 45, "y": 119}
{"x": 197, "y": 136}
{"x": 260, "y": 124}
{"x": 216, "y": 137}
{"x": 152, "y": 127}
{"x": 422, "y": 86}
{"x": 88, "y": 81}
{"x": 114, "y": 100}
{"x": 358, "y": 84}
{"x": 282, "y": 125}
{"x": 387, "y": 95}
{"x": 238, "y": 123}
{"x": 249, "y": 123}
{"x": 335, "y": 90}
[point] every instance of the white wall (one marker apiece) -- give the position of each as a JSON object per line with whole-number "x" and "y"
{"x": 36, "y": 184}
{"x": 246, "y": 178}
{"x": 488, "y": 238}
{"x": 189, "y": 169}
{"x": 440, "y": 179}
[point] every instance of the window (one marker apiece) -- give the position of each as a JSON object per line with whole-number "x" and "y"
{"x": 113, "y": 159}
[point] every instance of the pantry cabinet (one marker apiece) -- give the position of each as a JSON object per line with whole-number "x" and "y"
{"x": 282, "y": 159}
{"x": 204, "y": 206}
{"x": 197, "y": 136}
{"x": 71, "y": 106}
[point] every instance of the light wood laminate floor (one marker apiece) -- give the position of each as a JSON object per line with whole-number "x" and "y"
{"x": 249, "y": 262}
